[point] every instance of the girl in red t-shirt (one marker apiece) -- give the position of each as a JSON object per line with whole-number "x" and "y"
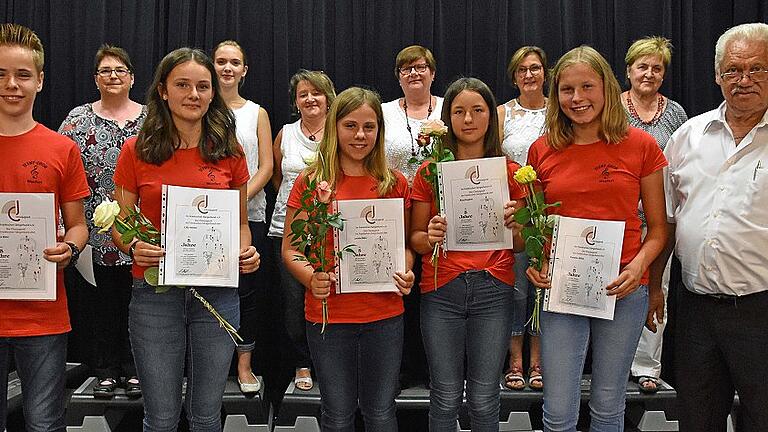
{"x": 597, "y": 167}
{"x": 188, "y": 139}
{"x": 470, "y": 314}
{"x": 357, "y": 357}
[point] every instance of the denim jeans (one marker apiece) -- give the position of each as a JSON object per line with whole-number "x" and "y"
{"x": 168, "y": 329}
{"x": 564, "y": 343}
{"x": 253, "y": 291}
{"x": 111, "y": 348}
{"x": 357, "y": 364}
{"x": 293, "y": 302}
{"x": 41, "y": 365}
{"x": 470, "y": 317}
{"x": 524, "y": 297}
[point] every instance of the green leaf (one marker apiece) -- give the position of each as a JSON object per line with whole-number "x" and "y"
{"x": 523, "y": 216}
{"x": 128, "y": 236}
{"x": 151, "y": 275}
{"x": 336, "y": 223}
{"x": 161, "y": 289}
{"x": 297, "y": 226}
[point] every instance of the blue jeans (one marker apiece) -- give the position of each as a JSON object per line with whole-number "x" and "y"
{"x": 524, "y": 298}
{"x": 171, "y": 328}
{"x": 470, "y": 317}
{"x": 564, "y": 342}
{"x": 41, "y": 365}
{"x": 357, "y": 364}
{"x": 293, "y": 303}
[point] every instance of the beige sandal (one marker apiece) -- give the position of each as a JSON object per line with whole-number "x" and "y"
{"x": 535, "y": 380}
{"x": 514, "y": 380}
{"x": 302, "y": 381}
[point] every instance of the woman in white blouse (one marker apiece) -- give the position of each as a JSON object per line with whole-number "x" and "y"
{"x": 523, "y": 123}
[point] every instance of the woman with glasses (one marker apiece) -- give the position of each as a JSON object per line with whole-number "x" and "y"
{"x": 647, "y": 61}
{"x": 294, "y": 149}
{"x": 523, "y": 123}
{"x": 415, "y": 71}
{"x": 254, "y": 134}
{"x": 99, "y": 129}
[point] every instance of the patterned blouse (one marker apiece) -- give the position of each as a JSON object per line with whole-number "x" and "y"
{"x": 100, "y": 141}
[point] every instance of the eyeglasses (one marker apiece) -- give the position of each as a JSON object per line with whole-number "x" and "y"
{"x": 734, "y": 75}
{"x": 420, "y": 68}
{"x": 534, "y": 70}
{"x": 107, "y": 72}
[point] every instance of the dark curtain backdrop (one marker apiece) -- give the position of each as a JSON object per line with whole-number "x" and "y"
{"x": 356, "y": 41}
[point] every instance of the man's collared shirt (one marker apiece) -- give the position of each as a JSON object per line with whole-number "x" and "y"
{"x": 717, "y": 194}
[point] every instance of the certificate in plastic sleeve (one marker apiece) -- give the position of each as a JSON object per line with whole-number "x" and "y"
{"x": 200, "y": 234}
{"x": 375, "y": 231}
{"x": 27, "y": 226}
{"x": 584, "y": 259}
{"x": 472, "y": 197}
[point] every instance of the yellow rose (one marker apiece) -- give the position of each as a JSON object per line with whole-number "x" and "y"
{"x": 525, "y": 175}
{"x": 309, "y": 160}
{"x": 105, "y": 214}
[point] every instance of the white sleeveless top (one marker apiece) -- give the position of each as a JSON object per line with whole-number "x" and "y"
{"x": 522, "y": 126}
{"x": 397, "y": 140}
{"x": 296, "y": 149}
{"x": 247, "y": 123}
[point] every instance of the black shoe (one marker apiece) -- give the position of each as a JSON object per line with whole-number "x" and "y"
{"x": 105, "y": 388}
{"x": 133, "y": 387}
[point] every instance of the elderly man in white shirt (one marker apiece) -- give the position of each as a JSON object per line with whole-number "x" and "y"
{"x": 717, "y": 202}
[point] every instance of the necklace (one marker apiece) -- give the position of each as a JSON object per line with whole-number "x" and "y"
{"x": 408, "y": 124}
{"x": 656, "y": 116}
{"x": 311, "y": 135}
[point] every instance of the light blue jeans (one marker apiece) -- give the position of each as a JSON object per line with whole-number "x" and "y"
{"x": 170, "y": 329}
{"x": 564, "y": 342}
{"x": 41, "y": 365}
{"x": 469, "y": 316}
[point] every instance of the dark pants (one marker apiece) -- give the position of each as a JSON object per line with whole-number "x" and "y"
{"x": 252, "y": 291}
{"x": 358, "y": 364}
{"x": 112, "y": 356}
{"x": 722, "y": 346}
{"x": 293, "y": 302}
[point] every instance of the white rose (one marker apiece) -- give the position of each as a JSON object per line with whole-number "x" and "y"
{"x": 105, "y": 214}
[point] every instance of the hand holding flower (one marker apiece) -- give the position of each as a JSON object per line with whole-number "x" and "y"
{"x": 540, "y": 278}
{"x": 146, "y": 254}
{"x": 404, "y": 282}
{"x": 249, "y": 260}
{"x": 320, "y": 284}
{"x": 436, "y": 230}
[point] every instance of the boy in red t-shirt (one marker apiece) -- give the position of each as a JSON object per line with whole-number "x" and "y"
{"x": 37, "y": 160}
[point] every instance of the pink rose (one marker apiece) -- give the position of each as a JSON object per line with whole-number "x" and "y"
{"x": 423, "y": 140}
{"x": 434, "y": 127}
{"x": 324, "y": 192}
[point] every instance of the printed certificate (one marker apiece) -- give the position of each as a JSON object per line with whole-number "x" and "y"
{"x": 27, "y": 226}
{"x": 200, "y": 233}
{"x": 472, "y": 197}
{"x": 584, "y": 259}
{"x": 375, "y": 231}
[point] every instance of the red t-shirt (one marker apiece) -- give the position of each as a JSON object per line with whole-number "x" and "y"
{"x": 185, "y": 168}
{"x": 599, "y": 181}
{"x": 40, "y": 161}
{"x": 497, "y": 262}
{"x": 353, "y": 307}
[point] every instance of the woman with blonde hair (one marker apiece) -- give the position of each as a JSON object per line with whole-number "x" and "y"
{"x": 357, "y": 356}
{"x": 596, "y": 166}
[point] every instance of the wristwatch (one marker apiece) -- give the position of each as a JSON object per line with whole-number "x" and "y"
{"x": 75, "y": 253}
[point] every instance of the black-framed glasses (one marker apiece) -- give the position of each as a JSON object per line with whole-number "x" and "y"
{"x": 107, "y": 72}
{"x": 734, "y": 75}
{"x": 534, "y": 70}
{"x": 420, "y": 68}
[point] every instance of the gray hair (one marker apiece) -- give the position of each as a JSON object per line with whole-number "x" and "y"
{"x": 750, "y": 31}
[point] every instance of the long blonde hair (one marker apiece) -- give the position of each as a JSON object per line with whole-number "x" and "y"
{"x": 327, "y": 166}
{"x": 613, "y": 120}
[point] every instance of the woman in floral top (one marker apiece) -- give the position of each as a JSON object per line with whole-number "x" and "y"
{"x": 99, "y": 129}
